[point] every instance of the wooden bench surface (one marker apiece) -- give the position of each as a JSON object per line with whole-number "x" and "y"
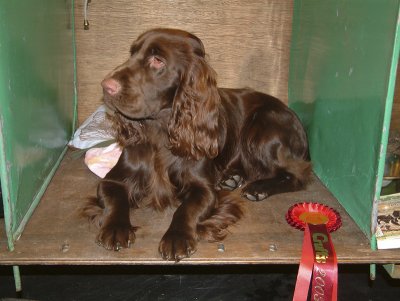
{"x": 56, "y": 235}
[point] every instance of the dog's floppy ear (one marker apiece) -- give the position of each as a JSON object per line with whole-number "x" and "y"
{"x": 193, "y": 127}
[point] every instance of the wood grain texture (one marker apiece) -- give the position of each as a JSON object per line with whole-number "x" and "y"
{"x": 57, "y": 235}
{"x": 248, "y": 42}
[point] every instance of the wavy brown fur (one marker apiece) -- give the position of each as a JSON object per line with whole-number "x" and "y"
{"x": 183, "y": 137}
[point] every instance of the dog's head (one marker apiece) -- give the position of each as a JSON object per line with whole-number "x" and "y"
{"x": 167, "y": 69}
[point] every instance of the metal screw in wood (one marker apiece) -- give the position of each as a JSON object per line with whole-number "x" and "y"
{"x": 273, "y": 247}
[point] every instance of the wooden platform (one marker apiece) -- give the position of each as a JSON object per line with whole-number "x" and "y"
{"x": 57, "y": 235}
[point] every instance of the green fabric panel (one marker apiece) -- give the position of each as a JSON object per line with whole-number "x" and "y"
{"x": 37, "y": 98}
{"x": 341, "y": 58}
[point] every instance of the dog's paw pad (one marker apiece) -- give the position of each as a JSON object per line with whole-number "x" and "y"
{"x": 256, "y": 191}
{"x": 255, "y": 197}
{"x": 231, "y": 182}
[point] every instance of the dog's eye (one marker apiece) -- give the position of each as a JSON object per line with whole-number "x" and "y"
{"x": 156, "y": 62}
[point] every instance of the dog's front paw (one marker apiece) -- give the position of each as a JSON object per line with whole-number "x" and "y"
{"x": 116, "y": 236}
{"x": 177, "y": 245}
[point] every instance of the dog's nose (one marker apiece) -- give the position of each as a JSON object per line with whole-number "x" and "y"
{"x": 111, "y": 86}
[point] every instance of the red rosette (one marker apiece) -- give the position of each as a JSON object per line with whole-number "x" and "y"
{"x": 315, "y": 213}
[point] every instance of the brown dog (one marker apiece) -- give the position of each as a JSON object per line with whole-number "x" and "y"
{"x": 186, "y": 142}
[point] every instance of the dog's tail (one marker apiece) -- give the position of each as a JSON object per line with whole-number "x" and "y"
{"x": 228, "y": 210}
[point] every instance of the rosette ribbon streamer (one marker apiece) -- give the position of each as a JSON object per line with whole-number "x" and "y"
{"x": 318, "y": 263}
